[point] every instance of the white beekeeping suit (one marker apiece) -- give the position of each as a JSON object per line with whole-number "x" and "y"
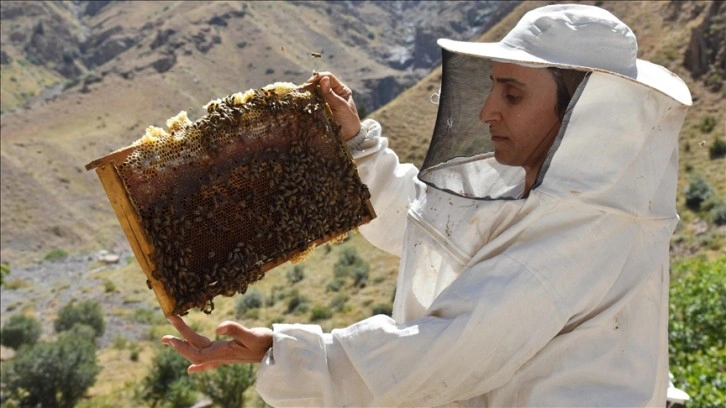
{"x": 559, "y": 299}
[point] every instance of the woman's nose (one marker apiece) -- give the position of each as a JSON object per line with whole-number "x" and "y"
{"x": 488, "y": 112}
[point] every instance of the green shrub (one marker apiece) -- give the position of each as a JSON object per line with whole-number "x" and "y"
{"x": 55, "y": 254}
{"x": 109, "y": 286}
{"x": 167, "y": 368}
{"x": 20, "y": 330}
{"x": 351, "y": 265}
{"x": 86, "y": 312}
{"x": 708, "y": 123}
{"x": 697, "y": 191}
{"x": 335, "y": 285}
{"x": 383, "y": 309}
{"x": 718, "y": 213}
{"x": 181, "y": 394}
{"x": 4, "y": 272}
{"x": 717, "y": 150}
{"x": 714, "y": 81}
{"x": 53, "y": 374}
{"x": 338, "y": 302}
{"x": 276, "y": 293}
{"x": 134, "y": 352}
{"x": 296, "y": 274}
{"x": 697, "y": 332}
{"x": 146, "y": 316}
{"x": 297, "y": 303}
{"x": 226, "y": 385}
{"x": 253, "y": 299}
{"x": 319, "y": 312}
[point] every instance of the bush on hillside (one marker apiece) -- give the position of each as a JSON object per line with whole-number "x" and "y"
{"x": 20, "y": 330}
{"x": 353, "y": 266}
{"x": 296, "y": 274}
{"x": 718, "y": 213}
{"x": 4, "y": 272}
{"x": 166, "y": 379}
{"x": 718, "y": 149}
{"x": 253, "y": 299}
{"x": 697, "y": 334}
{"x": 86, "y": 312}
{"x": 52, "y": 374}
{"x": 226, "y": 385}
{"x": 697, "y": 191}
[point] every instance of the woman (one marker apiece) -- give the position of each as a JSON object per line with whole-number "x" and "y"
{"x": 533, "y": 240}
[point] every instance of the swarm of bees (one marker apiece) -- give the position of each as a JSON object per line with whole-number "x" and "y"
{"x": 260, "y": 180}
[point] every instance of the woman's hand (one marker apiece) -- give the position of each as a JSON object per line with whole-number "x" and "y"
{"x": 340, "y": 99}
{"x": 247, "y": 345}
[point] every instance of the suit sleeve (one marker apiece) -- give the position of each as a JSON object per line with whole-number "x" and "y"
{"x": 391, "y": 183}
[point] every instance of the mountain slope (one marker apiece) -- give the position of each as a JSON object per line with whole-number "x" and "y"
{"x": 666, "y": 31}
{"x": 80, "y": 80}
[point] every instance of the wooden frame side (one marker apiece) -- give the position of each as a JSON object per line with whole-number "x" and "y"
{"x": 135, "y": 234}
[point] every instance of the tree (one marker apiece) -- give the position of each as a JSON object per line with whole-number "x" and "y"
{"x": 53, "y": 374}
{"x": 166, "y": 378}
{"x": 226, "y": 385}
{"x": 20, "y": 330}
{"x": 697, "y": 345}
{"x": 87, "y": 312}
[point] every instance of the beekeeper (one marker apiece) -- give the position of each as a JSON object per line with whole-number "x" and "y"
{"x": 533, "y": 240}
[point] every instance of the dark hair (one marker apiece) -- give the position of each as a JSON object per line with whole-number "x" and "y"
{"x": 567, "y": 81}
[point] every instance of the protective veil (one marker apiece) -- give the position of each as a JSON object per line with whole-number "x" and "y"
{"x": 559, "y": 299}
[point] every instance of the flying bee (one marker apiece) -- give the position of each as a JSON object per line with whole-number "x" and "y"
{"x": 316, "y": 54}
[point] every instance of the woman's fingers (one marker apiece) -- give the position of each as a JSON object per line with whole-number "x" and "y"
{"x": 194, "y": 338}
{"x": 217, "y": 351}
{"x": 328, "y": 82}
{"x": 255, "y": 342}
{"x": 248, "y": 346}
{"x": 340, "y": 99}
{"x": 198, "y": 368}
{"x": 247, "y": 337}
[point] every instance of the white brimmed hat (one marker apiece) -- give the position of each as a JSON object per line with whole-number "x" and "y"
{"x": 580, "y": 37}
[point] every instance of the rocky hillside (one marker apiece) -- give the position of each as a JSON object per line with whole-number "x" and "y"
{"x": 687, "y": 37}
{"x": 81, "y": 79}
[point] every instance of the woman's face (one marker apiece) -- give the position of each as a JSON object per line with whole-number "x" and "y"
{"x": 521, "y": 114}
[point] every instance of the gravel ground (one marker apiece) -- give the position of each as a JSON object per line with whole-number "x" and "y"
{"x": 51, "y": 285}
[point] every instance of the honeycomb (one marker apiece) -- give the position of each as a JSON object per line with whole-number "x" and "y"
{"x": 261, "y": 179}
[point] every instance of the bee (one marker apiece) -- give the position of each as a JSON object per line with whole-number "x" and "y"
{"x": 316, "y": 54}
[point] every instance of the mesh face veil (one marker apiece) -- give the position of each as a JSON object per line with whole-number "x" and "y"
{"x": 460, "y": 159}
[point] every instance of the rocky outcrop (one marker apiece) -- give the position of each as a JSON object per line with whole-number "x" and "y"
{"x": 164, "y": 63}
{"x": 52, "y": 44}
{"x": 5, "y": 58}
{"x": 705, "y": 56}
{"x": 379, "y": 91}
{"x": 93, "y": 7}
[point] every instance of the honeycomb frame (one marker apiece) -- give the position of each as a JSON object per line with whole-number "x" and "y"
{"x": 210, "y": 206}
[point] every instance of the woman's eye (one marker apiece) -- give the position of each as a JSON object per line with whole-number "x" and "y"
{"x": 512, "y": 98}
